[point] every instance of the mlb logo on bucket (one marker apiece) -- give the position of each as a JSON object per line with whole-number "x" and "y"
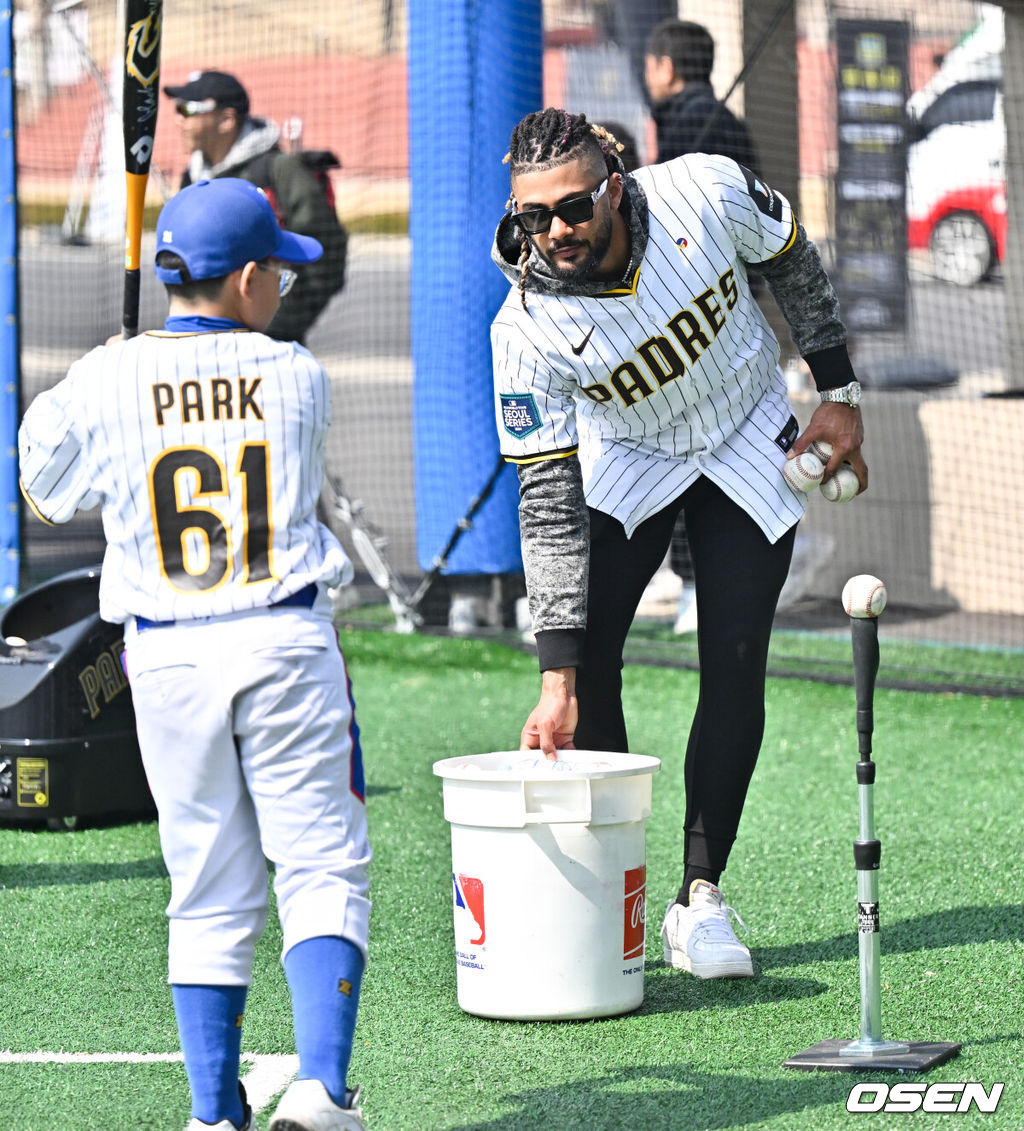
{"x": 469, "y": 910}
{"x": 634, "y": 912}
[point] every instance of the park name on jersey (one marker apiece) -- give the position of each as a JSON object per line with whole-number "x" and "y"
{"x": 216, "y": 399}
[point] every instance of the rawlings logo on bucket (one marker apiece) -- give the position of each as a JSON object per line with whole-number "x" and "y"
{"x": 634, "y": 912}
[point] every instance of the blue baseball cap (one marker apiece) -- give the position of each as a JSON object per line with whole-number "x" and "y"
{"x": 221, "y": 225}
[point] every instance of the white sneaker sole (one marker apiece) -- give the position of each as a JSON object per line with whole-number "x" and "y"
{"x": 739, "y": 968}
{"x": 306, "y": 1106}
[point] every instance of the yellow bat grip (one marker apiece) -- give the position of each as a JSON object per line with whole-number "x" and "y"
{"x": 135, "y": 184}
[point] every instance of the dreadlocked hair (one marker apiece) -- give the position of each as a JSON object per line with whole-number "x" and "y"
{"x": 552, "y": 137}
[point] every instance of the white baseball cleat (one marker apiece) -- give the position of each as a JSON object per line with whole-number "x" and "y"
{"x": 700, "y": 938}
{"x": 248, "y": 1119}
{"x": 223, "y": 1125}
{"x": 306, "y": 1106}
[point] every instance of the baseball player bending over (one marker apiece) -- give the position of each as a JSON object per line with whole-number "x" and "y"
{"x": 204, "y": 445}
{"x": 635, "y": 377}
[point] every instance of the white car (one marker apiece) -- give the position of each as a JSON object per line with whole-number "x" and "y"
{"x": 956, "y": 191}
{"x": 956, "y": 188}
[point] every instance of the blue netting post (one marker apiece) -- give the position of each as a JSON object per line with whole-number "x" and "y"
{"x": 10, "y": 507}
{"x": 475, "y": 68}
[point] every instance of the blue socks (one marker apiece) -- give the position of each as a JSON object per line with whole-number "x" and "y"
{"x": 210, "y": 1030}
{"x": 324, "y": 975}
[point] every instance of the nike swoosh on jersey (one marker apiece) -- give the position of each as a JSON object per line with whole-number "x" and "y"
{"x": 577, "y": 350}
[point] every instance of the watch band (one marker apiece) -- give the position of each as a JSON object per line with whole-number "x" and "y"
{"x": 846, "y": 394}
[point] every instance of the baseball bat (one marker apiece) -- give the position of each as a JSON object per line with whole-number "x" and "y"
{"x": 138, "y": 115}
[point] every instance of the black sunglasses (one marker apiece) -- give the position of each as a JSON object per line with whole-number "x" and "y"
{"x": 535, "y": 221}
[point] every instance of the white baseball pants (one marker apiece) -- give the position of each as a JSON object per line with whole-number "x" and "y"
{"x": 246, "y": 728}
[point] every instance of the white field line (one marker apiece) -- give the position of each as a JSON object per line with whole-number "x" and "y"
{"x": 268, "y": 1076}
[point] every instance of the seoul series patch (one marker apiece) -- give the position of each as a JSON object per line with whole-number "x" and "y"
{"x": 767, "y": 200}
{"x": 519, "y": 414}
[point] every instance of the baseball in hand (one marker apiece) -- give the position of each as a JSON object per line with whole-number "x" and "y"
{"x": 842, "y": 485}
{"x": 823, "y": 450}
{"x": 803, "y": 472}
{"x": 864, "y": 596}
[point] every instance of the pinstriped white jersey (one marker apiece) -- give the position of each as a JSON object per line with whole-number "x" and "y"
{"x": 206, "y": 453}
{"x": 672, "y": 378}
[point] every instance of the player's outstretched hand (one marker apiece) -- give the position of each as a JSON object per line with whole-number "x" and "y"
{"x": 552, "y": 723}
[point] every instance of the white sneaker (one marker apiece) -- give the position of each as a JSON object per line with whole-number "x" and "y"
{"x": 223, "y": 1125}
{"x": 686, "y": 618}
{"x": 700, "y": 938}
{"x": 462, "y": 615}
{"x": 524, "y": 622}
{"x": 306, "y": 1106}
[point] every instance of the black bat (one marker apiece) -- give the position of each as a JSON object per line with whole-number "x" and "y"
{"x": 864, "y": 631}
{"x": 139, "y": 106}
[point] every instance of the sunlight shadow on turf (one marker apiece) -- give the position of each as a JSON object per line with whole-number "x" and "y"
{"x": 962, "y": 927}
{"x": 694, "y": 1098}
{"x": 1011, "y": 1040}
{"x": 674, "y": 991}
{"x": 382, "y": 790}
{"x": 63, "y": 875}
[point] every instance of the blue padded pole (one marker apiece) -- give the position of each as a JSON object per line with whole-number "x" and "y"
{"x": 475, "y": 68}
{"x": 10, "y": 506}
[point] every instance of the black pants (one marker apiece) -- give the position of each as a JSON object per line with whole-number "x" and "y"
{"x": 739, "y": 575}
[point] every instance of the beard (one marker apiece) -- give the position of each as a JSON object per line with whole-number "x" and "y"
{"x": 597, "y": 248}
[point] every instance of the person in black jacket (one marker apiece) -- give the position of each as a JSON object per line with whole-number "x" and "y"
{"x": 225, "y": 140}
{"x": 687, "y": 116}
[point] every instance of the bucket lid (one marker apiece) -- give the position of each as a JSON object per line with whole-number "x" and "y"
{"x": 531, "y": 765}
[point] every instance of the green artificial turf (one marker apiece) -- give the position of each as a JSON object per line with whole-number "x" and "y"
{"x": 823, "y": 655}
{"x": 910, "y": 665}
{"x": 82, "y": 931}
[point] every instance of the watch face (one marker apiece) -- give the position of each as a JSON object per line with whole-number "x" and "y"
{"x": 847, "y": 394}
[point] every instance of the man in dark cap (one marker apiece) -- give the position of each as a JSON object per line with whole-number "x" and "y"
{"x": 225, "y": 140}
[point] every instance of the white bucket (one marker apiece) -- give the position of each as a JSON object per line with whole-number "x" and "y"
{"x": 549, "y": 880}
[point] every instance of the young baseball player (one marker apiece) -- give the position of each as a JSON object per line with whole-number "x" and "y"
{"x": 203, "y": 443}
{"x": 636, "y": 377}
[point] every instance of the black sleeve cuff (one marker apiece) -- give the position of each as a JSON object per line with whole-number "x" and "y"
{"x": 831, "y": 368}
{"x": 560, "y": 648}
